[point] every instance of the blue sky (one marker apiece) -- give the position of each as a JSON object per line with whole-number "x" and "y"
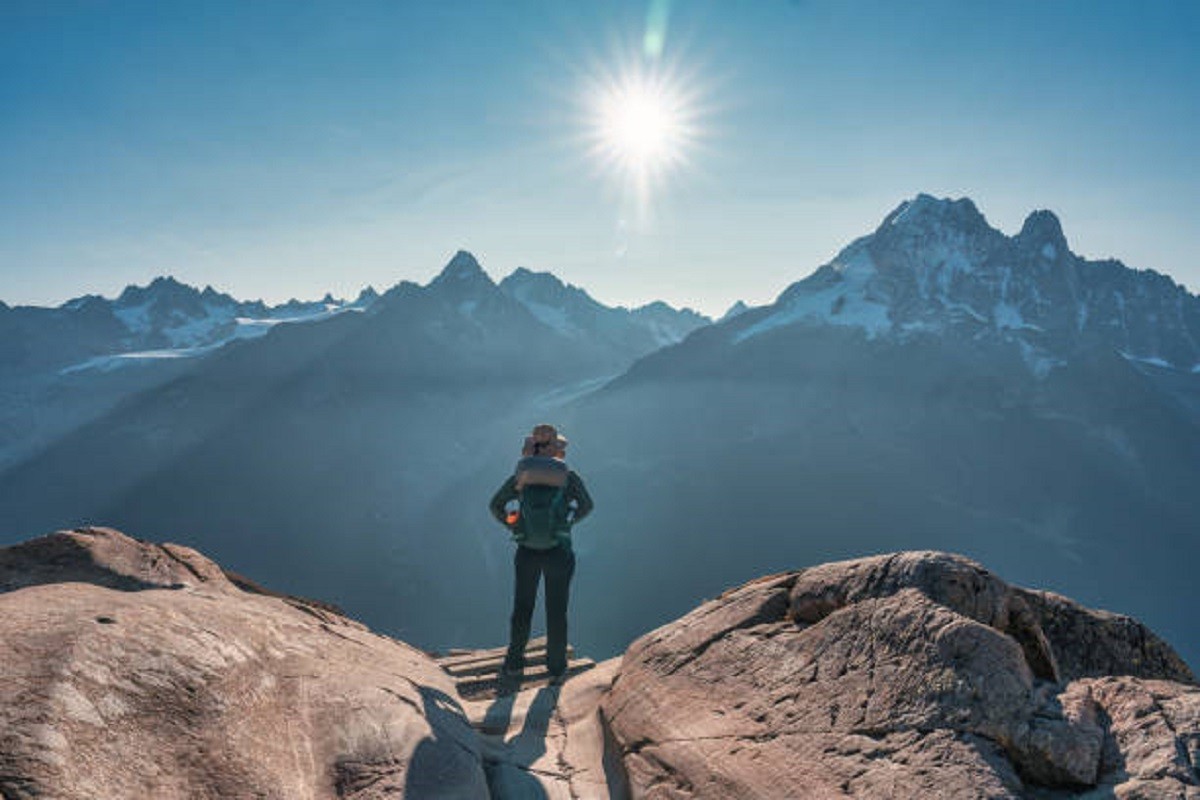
{"x": 279, "y": 149}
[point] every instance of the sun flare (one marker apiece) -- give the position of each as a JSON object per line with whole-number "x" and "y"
{"x": 642, "y": 128}
{"x": 640, "y": 125}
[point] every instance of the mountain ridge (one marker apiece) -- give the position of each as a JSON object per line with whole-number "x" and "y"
{"x": 168, "y": 318}
{"x": 935, "y": 266}
{"x": 366, "y": 427}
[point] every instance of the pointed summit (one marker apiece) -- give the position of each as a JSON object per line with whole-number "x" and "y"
{"x": 1042, "y": 231}
{"x": 366, "y": 297}
{"x": 163, "y": 289}
{"x": 462, "y": 268}
{"x": 735, "y": 310}
{"x": 925, "y": 211}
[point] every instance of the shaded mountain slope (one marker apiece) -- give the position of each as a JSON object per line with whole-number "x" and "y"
{"x": 724, "y": 465}
{"x": 312, "y": 456}
{"x": 862, "y": 403}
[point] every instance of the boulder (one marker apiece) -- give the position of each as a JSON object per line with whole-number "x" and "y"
{"x": 914, "y": 674}
{"x": 140, "y": 670}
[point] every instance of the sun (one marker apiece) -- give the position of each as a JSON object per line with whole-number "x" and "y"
{"x": 642, "y": 127}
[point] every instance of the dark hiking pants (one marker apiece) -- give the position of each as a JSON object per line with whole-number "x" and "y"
{"x": 558, "y": 565}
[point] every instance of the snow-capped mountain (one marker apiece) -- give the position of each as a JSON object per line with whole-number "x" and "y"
{"x": 62, "y": 367}
{"x": 937, "y": 385}
{"x": 66, "y": 366}
{"x": 169, "y": 319}
{"x": 165, "y": 319}
{"x": 937, "y": 267}
{"x": 573, "y": 312}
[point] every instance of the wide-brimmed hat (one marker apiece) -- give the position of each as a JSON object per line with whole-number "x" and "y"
{"x": 545, "y": 437}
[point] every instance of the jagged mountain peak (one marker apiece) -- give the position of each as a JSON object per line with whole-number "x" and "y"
{"x": 462, "y": 268}
{"x": 658, "y": 307}
{"x": 525, "y": 277}
{"x": 521, "y": 274}
{"x": 734, "y": 310}
{"x": 164, "y": 286}
{"x": 925, "y": 211}
{"x": 528, "y": 286}
{"x": 936, "y": 267}
{"x": 1042, "y": 231}
{"x": 83, "y": 301}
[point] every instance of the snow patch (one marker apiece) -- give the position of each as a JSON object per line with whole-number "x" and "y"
{"x": 1154, "y": 361}
{"x": 1049, "y": 251}
{"x": 243, "y": 328}
{"x": 111, "y": 362}
{"x": 904, "y": 209}
{"x": 1008, "y": 317}
{"x": 964, "y": 309}
{"x": 200, "y": 330}
{"x": 843, "y": 303}
{"x": 135, "y": 318}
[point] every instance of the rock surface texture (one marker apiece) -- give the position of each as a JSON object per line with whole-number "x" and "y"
{"x": 133, "y": 670}
{"x": 917, "y": 674}
{"x": 540, "y": 739}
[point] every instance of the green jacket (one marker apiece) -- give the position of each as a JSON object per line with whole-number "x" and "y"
{"x": 575, "y": 494}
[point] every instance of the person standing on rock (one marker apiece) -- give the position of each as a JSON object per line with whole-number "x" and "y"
{"x": 550, "y": 498}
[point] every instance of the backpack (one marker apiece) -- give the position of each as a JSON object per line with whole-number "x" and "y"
{"x": 543, "y": 521}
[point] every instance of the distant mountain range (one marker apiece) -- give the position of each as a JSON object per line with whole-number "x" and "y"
{"x": 169, "y": 319}
{"x": 938, "y": 384}
{"x": 54, "y": 361}
{"x": 166, "y": 319}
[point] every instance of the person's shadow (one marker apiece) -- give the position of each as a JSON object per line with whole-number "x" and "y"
{"x": 444, "y": 765}
{"x": 510, "y": 777}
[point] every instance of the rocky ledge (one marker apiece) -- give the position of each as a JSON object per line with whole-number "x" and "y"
{"x": 913, "y": 675}
{"x": 135, "y": 670}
